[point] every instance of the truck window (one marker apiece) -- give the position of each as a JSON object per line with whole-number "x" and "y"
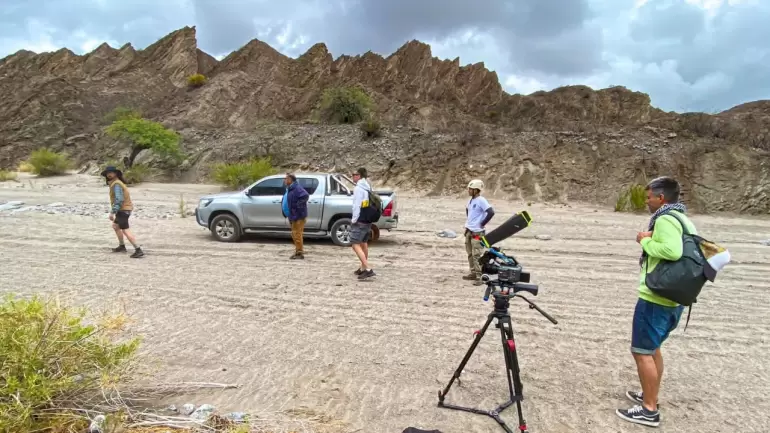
{"x": 273, "y": 186}
{"x": 310, "y": 184}
{"x": 335, "y": 188}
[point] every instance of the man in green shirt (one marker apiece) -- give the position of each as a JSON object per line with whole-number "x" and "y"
{"x": 655, "y": 317}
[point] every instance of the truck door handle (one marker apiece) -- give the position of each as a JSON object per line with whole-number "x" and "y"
{"x": 314, "y": 201}
{"x": 276, "y": 201}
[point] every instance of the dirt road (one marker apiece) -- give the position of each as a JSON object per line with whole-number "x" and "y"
{"x": 374, "y": 354}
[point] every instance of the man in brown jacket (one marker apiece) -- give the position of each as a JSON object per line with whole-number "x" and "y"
{"x": 120, "y": 210}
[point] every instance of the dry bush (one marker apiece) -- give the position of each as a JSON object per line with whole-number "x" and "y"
{"x": 371, "y": 128}
{"x": 182, "y": 206}
{"x": 631, "y": 199}
{"x": 25, "y": 167}
{"x": 6, "y": 175}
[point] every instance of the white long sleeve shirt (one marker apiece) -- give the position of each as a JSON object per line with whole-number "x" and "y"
{"x": 360, "y": 195}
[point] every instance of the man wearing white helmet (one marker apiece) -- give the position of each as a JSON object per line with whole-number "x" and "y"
{"x": 479, "y": 212}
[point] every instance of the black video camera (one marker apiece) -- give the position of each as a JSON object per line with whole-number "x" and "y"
{"x": 509, "y": 272}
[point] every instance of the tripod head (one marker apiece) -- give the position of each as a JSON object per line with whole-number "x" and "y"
{"x": 508, "y": 287}
{"x": 504, "y": 291}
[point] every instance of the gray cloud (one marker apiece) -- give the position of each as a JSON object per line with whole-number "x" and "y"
{"x": 671, "y": 49}
{"x": 722, "y": 62}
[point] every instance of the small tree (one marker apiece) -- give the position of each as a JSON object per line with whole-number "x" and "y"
{"x": 345, "y": 105}
{"x": 145, "y": 134}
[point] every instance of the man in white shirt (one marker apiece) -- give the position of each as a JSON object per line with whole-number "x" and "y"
{"x": 479, "y": 212}
{"x": 361, "y": 228}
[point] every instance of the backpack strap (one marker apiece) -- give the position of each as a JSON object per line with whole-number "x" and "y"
{"x": 684, "y": 226}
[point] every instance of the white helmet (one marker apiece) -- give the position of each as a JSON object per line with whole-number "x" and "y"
{"x": 476, "y": 184}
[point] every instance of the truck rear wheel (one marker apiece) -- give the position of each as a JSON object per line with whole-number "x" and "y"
{"x": 225, "y": 228}
{"x": 374, "y": 236}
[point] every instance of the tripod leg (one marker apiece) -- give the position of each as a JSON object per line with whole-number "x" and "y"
{"x": 512, "y": 361}
{"x": 468, "y": 354}
{"x": 505, "y": 336}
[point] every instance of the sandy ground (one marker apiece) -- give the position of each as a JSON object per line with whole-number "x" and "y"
{"x": 374, "y": 354}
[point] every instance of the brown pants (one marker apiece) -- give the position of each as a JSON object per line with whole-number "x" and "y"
{"x": 297, "y": 228}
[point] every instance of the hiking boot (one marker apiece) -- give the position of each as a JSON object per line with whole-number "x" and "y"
{"x": 366, "y": 274}
{"x": 119, "y": 249}
{"x": 640, "y": 415}
{"x": 297, "y": 256}
{"x": 137, "y": 253}
{"x": 637, "y": 397}
{"x": 358, "y": 271}
{"x": 470, "y": 277}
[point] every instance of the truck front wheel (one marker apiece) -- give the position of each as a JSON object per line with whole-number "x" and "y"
{"x": 226, "y": 228}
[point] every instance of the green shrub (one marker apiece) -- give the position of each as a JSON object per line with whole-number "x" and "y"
{"x": 7, "y": 175}
{"x": 241, "y": 174}
{"x": 136, "y": 174}
{"x": 371, "y": 128}
{"x": 122, "y": 113}
{"x": 632, "y": 199}
{"x": 53, "y": 365}
{"x": 196, "y": 80}
{"x": 46, "y": 162}
{"x": 345, "y": 105}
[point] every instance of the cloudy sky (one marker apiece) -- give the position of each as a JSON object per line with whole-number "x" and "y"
{"x": 689, "y": 55}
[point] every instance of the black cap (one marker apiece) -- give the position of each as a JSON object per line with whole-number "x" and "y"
{"x": 111, "y": 169}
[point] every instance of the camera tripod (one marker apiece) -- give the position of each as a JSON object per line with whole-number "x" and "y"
{"x": 500, "y": 312}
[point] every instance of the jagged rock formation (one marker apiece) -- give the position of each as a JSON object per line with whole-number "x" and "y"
{"x": 444, "y": 121}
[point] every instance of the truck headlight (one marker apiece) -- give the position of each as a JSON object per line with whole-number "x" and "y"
{"x": 204, "y": 202}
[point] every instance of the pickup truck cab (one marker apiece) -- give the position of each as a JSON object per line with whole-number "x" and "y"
{"x": 257, "y": 209}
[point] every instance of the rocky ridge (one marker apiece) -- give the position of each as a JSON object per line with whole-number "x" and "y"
{"x": 444, "y": 123}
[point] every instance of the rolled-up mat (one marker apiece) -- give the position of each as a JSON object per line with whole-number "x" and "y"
{"x": 416, "y": 430}
{"x": 513, "y": 225}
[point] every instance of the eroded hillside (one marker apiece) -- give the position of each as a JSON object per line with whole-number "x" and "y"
{"x": 443, "y": 123}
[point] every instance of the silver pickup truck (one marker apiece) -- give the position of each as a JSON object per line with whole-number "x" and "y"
{"x": 257, "y": 209}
